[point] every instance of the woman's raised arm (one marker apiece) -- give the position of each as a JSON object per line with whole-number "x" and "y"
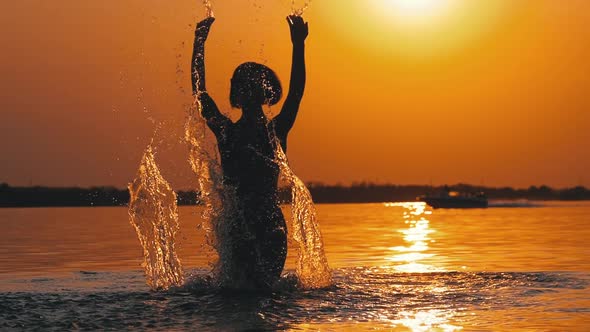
{"x": 209, "y": 111}
{"x": 299, "y": 31}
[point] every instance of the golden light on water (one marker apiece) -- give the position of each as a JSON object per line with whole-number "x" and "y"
{"x": 415, "y": 258}
{"x": 412, "y": 257}
{"x": 423, "y": 321}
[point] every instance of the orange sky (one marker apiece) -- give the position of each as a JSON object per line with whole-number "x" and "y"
{"x": 491, "y": 92}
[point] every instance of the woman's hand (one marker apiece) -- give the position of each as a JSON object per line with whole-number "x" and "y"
{"x": 203, "y": 27}
{"x": 299, "y": 29}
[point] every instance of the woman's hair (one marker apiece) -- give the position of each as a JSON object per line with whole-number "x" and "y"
{"x": 256, "y": 84}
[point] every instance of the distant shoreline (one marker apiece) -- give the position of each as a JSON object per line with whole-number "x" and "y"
{"x": 30, "y": 197}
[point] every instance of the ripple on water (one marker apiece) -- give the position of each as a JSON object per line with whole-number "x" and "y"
{"x": 361, "y": 298}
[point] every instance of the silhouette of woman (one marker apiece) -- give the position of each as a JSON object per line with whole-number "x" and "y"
{"x": 257, "y": 238}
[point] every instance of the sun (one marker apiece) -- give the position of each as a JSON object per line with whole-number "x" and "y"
{"x": 413, "y": 29}
{"x": 417, "y": 12}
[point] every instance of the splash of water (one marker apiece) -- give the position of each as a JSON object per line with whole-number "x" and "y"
{"x": 208, "y": 7}
{"x": 207, "y": 170}
{"x": 312, "y": 265}
{"x": 298, "y": 11}
{"x": 154, "y": 215}
{"x": 220, "y": 206}
{"x": 221, "y": 210}
{"x": 203, "y": 162}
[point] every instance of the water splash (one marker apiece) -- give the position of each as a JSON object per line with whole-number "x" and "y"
{"x": 204, "y": 164}
{"x": 221, "y": 211}
{"x": 208, "y": 7}
{"x": 154, "y": 215}
{"x": 220, "y": 206}
{"x": 216, "y": 199}
{"x": 312, "y": 265}
{"x": 298, "y": 11}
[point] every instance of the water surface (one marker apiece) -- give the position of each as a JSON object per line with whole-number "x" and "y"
{"x": 396, "y": 267}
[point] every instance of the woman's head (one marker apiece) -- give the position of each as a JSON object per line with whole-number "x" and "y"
{"x": 254, "y": 84}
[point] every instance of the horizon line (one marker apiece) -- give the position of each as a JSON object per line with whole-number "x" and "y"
{"x": 321, "y": 184}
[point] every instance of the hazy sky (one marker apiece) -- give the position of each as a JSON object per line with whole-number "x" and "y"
{"x": 493, "y": 92}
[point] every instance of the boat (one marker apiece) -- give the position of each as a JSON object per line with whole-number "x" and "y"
{"x": 456, "y": 200}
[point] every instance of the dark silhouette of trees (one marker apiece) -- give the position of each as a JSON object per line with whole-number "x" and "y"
{"x": 356, "y": 193}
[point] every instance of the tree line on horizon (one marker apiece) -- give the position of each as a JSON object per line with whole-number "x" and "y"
{"x": 39, "y": 196}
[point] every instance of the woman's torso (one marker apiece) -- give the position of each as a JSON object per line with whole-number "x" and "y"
{"x": 248, "y": 160}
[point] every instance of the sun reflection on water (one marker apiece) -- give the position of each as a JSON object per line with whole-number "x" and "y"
{"x": 430, "y": 320}
{"x": 411, "y": 258}
{"x": 417, "y": 257}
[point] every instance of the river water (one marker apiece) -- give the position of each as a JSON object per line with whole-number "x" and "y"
{"x": 400, "y": 267}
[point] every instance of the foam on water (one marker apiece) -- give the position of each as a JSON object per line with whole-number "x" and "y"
{"x": 154, "y": 215}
